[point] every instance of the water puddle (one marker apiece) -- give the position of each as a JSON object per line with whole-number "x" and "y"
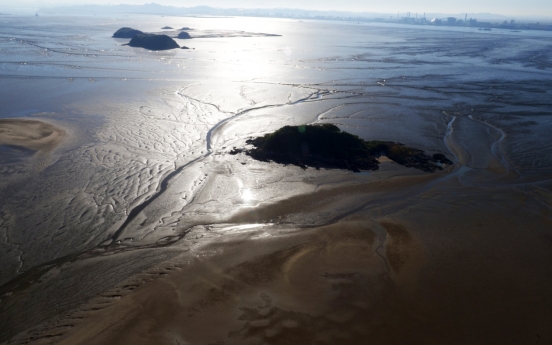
{"x": 10, "y": 154}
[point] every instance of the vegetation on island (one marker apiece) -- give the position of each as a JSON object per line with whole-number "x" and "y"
{"x": 153, "y": 42}
{"x": 327, "y": 146}
{"x": 126, "y": 33}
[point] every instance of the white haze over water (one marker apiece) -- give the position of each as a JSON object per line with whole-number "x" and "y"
{"x": 505, "y": 7}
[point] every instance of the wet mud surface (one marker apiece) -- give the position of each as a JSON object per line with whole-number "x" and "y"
{"x": 142, "y": 228}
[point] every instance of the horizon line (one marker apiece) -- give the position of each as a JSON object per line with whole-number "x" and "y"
{"x": 294, "y": 9}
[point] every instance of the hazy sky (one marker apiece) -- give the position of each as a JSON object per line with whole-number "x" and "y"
{"x": 508, "y": 7}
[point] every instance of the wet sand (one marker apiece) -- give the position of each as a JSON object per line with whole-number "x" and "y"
{"x": 30, "y": 134}
{"x": 439, "y": 266}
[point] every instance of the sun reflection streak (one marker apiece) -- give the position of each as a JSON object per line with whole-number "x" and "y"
{"x": 247, "y": 195}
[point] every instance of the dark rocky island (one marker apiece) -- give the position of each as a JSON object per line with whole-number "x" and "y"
{"x": 167, "y": 28}
{"x": 126, "y": 33}
{"x": 184, "y": 35}
{"x": 153, "y": 42}
{"x": 328, "y": 147}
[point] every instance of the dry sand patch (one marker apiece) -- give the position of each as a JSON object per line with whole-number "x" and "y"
{"x": 30, "y": 134}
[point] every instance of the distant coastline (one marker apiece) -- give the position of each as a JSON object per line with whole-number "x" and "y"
{"x": 486, "y": 25}
{"x": 460, "y": 19}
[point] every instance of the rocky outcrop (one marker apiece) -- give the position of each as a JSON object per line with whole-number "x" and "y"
{"x": 327, "y": 146}
{"x": 126, "y": 33}
{"x": 153, "y": 42}
{"x": 184, "y": 35}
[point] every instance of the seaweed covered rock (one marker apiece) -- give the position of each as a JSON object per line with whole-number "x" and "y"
{"x": 327, "y": 146}
{"x": 126, "y": 33}
{"x": 153, "y": 42}
{"x": 184, "y": 35}
{"x": 414, "y": 158}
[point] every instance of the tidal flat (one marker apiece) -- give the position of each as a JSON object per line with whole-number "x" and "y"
{"x": 138, "y": 225}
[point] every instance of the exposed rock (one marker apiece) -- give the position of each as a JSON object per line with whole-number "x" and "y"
{"x": 414, "y": 158}
{"x": 126, "y": 33}
{"x": 167, "y": 28}
{"x": 186, "y": 28}
{"x": 153, "y": 42}
{"x": 327, "y": 146}
{"x": 184, "y": 35}
{"x": 235, "y": 151}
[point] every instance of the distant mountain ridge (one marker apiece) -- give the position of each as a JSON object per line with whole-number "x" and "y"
{"x": 153, "y": 8}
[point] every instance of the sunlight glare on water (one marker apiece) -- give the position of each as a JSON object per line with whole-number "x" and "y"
{"x": 247, "y": 195}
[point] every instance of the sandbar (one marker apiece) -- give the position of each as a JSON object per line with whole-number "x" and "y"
{"x": 30, "y": 134}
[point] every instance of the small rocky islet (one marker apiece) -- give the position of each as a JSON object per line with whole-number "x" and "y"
{"x": 139, "y": 39}
{"x": 184, "y": 35}
{"x": 126, "y": 33}
{"x": 153, "y": 42}
{"x": 326, "y": 146}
